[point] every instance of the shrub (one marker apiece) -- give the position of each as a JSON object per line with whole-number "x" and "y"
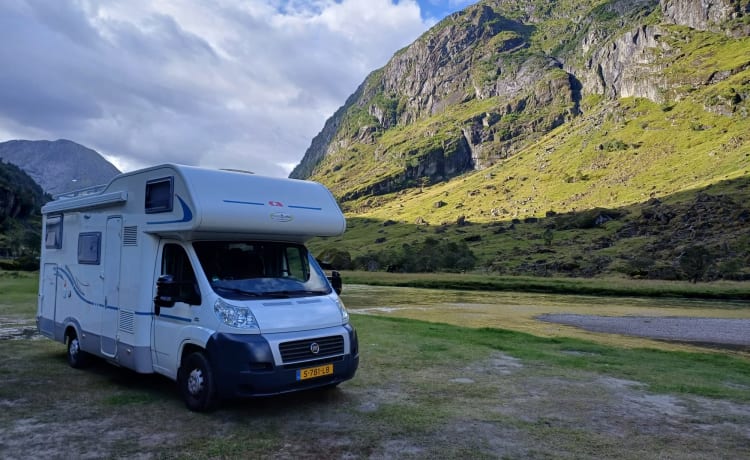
{"x": 429, "y": 255}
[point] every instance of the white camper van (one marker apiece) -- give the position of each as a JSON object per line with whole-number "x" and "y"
{"x": 199, "y": 275}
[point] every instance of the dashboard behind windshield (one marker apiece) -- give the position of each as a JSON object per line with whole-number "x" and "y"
{"x": 247, "y": 269}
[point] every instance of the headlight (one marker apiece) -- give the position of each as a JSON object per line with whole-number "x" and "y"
{"x": 234, "y": 316}
{"x": 342, "y": 310}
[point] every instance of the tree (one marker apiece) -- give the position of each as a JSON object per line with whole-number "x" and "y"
{"x": 548, "y": 235}
{"x": 695, "y": 261}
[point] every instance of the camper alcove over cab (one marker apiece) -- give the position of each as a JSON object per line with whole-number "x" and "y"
{"x": 199, "y": 275}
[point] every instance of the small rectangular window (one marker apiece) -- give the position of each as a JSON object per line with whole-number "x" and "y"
{"x": 89, "y": 248}
{"x": 53, "y": 233}
{"x": 159, "y": 195}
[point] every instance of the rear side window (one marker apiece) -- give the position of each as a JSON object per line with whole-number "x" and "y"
{"x": 159, "y": 195}
{"x": 89, "y": 248}
{"x": 53, "y": 232}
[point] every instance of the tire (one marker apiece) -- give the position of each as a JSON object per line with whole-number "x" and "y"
{"x": 196, "y": 381}
{"x": 77, "y": 358}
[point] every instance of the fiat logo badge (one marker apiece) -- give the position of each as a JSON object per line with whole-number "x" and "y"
{"x": 314, "y": 348}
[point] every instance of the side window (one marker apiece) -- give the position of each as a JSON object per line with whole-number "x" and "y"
{"x": 159, "y": 195}
{"x": 175, "y": 262}
{"x": 296, "y": 260}
{"x": 53, "y": 233}
{"x": 89, "y": 248}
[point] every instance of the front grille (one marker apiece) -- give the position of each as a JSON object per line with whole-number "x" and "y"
{"x": 300, "y": 350}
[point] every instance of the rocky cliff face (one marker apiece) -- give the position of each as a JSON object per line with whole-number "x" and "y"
{"x": 705, "y": 14}
{"x": 628, "y": 67}
{"x": 486, "y": 82}
{"x": 58, "y": 166}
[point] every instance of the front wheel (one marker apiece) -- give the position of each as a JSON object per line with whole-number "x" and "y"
{"x": 196, "y": 381}
{"x": 77, "y": 358}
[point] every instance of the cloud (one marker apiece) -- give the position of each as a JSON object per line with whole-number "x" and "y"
{"x": 227, "y": 83}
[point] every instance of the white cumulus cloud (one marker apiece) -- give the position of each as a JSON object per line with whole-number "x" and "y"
{"x": 224, "y": 83}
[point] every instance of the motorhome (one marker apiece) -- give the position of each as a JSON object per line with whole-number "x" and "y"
{"x": 200, "y": 275}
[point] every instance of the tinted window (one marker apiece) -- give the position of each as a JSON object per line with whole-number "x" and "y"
{"x": 159, "y": 195}
{"x": 89, "y": 248}
{"x": 247, "y": 269}
{"x": 175, "y": 262}
{"x": 53, "y": 233}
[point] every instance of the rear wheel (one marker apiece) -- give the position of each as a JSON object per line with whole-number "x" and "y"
{"x": 77, "y": 358}
{"x": 196, "y": 381}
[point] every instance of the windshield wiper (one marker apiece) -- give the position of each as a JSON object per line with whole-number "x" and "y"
{"x": 286, "y": 294}
{"x": 238, "y": 291}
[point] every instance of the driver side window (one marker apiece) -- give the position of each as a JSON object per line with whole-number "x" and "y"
{"x": 175, "y": 262}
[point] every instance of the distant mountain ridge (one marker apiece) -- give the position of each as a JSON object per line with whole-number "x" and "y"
{"x": 58, "y": 166}
{"x": 20, "y": 223}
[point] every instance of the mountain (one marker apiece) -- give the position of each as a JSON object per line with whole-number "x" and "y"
{"x": 514, "y": 124}
{"x": 20, "y": 222}
{"x": 58, "y": 166}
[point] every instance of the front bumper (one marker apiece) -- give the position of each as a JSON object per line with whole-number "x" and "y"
{"x": 244, "y": 366}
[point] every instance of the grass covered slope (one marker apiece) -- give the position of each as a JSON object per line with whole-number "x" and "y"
{"x": 568, "y": 176}
{"x": 625, "y": 188}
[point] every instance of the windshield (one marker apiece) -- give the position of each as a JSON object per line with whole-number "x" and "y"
{"x": 247, "y": 269}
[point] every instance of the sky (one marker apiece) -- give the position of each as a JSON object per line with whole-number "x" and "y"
{"x": 240, "y": 84}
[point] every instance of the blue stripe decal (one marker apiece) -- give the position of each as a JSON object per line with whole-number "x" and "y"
{"x": 60, "y": 272}
{"x": 67, "y": 274}
{"x": 179, "y": 318}
{"x": 244, "y": 202}
{"x": 187, "y": 214}
{"x": 305, "y": 207}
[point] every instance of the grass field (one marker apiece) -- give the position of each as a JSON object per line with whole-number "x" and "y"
{"x": 423, "y": 390}
{"x": 726, "y": 290}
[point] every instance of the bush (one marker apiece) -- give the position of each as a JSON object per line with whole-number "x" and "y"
{"x": 338, "y": 259}
{"x": 695, "y": 262}
{"x": 429, "y": 255}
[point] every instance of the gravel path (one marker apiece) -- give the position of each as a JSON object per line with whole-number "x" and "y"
{"x": 730, "y": 333}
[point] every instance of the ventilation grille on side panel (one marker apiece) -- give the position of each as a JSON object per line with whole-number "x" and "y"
{"x": 127, "y": 321}
{"x": 130, "y": 236}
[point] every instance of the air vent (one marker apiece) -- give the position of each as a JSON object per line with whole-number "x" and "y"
{"x": 130, "y": 236}
{"x": 127, "y": 321}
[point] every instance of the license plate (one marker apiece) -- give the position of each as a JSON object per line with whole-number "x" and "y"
{"x": 313, "y": 372}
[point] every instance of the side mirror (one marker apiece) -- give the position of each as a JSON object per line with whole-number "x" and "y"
{"x": 336, "y": 281}
{"x": 166, "y": 291}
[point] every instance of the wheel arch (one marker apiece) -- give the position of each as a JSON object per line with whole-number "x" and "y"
{"x": 193, "y": 339}
{"x": 72, "y": 325}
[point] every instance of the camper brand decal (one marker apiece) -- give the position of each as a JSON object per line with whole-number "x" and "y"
{"x": 275, "y": 204}
{"x": 187, "y": 214}
{"x": 281, "y": 217}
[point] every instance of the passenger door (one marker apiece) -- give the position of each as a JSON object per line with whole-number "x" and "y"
{"x": 48, "y": 300}
{"x": 110, "y": 312}
{"x": 170, "y": 321}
